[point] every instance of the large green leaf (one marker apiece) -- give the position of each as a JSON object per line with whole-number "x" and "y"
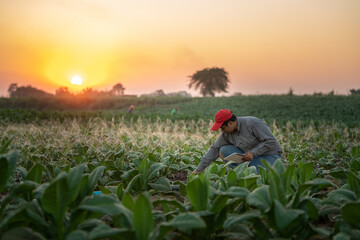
{"x": 342, "y": 195}
{"x": 260, "y": 198}
{"x": 162, "y": 184}
{"x": 354, "y": 183}
{"x": 198, "y": 192}
{"x": 351, "y": 213}
{"x": 237, "y": 192}
{"x": 94, "y": 177}
{"x": 21, "y": 233}
{"x": 104, "y": 231}
{"x": 35, "y": 173}
{"x": 219, "y": 203}
{"x": 7, "y": 166}
{"x": 77, "y": 235}
{"x": 56, "y": 198}
{"x": 154, "y": 170}
{"x": 186, "y": 222}
{"x": 318, "y": 182}
{"x": 287, "y": 220}
{"x": 231, "y": 179}
{"x": 230, "y": 221}
{"x": 142, "y": 218}
{"x": 75, "y": 176}
{"x": 144, "y": 172}
{"x": 132, "y": 182}
{"x": 103, "y": 204}
{"x": 128, "y": 201}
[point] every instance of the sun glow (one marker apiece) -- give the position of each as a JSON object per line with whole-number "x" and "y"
{"x": 76, "y": 80}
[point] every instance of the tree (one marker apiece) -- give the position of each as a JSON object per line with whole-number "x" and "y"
{"x": 62, "y": 92}
{"x": 118, "y": 89}
{"x": 12, "y": 89}
{"x": 210, "y": 80}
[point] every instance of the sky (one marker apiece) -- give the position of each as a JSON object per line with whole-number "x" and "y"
{"x": 266, "y": 46}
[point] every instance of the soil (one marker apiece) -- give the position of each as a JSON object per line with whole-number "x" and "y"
{"x": 178, "y": 176}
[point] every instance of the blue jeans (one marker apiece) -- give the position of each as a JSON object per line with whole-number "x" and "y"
{"x": 229, "y": 149}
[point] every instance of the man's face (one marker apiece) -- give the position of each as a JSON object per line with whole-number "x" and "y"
{"x": 229, "y": 128}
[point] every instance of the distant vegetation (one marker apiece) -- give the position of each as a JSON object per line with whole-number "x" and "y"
{"x": 281, "y": 108}
{"x": 210, "y": 81}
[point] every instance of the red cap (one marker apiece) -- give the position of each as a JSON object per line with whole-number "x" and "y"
{"x": 220, "y": 117}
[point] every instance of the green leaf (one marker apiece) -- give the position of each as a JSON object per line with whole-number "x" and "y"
{"x": 339, "y": 173}
{"x": 132, "y": 182}
{"x": 186, "y": 222}
{"x": 128, "y": 201}
{"x": 354, "y": 183}
{"x": 342, "y": 195}
{"x": 198, "y": 192}
{"x": 237, "y": 192}
{"x": 35, "y": 173}
{"x": 231, "y": 179}
{"x": 219, "y": 203}
{"x": 94, "y": 177}
{"x": 105, "y": 190}
{"x": 171, "y": 202}
{"x": 351, "y": 213}
{"x": 287, "y": 220}
{"x": 162, "y": 184}
{"x": 144, "y": 172}
{"x": 142, "y": 218}
{"x": 230, "y": 221}
{"x": 103, "y": 204}
{"x": 318, "y": 182}
{"x": 21, "y": 233}
{"x": 7, "y": 166}
{"x": 260, "y": 198}
{"x": 154, "y": 170}
{"x": 120, "y": 191}
{"x": 104, "y": 231}
{"x": 341, "y": 236}
{"x": 56, "y": 198}
{"x": 77, "y": 235}
{"x": 75, "y": 177}
{"x": 305, "y": 171}
{"x": 248, "y": 182}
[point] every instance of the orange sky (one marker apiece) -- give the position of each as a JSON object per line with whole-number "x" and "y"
{"x": 267, "y": 46}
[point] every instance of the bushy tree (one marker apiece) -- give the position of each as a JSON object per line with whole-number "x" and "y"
{"x": 118, "y": 89}
{"x": 210, "y": 80}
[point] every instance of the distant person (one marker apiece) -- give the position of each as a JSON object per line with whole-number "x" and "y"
{"x": 245, "y": 135}
{"x": 131, "y": 109}
{"x": 174, "y": 111}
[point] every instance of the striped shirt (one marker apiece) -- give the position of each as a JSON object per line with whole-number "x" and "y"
{"x": 252, "y": 135}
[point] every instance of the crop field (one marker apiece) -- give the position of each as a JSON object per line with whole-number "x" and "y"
{"x": 107, "y": 174}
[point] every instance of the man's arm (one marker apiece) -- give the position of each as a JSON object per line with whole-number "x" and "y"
{"x": 212, "y": 154}
{"x": 267, "y": 140}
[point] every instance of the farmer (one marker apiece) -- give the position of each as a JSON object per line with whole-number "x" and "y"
{"x": 245, "y": 135}
{"x": 131, "y": 109}
{"x": 174, "y": 111}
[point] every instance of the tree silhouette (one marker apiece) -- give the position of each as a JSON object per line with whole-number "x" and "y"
{"x": 210, "y": 80}
{"x": 118, "y": 89}
{"x": 12, "y": 89}
{"x": 62, "y": 92}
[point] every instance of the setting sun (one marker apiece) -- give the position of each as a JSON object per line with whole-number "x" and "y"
{"x": 76, "y": 80}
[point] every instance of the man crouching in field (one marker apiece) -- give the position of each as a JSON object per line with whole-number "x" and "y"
{"x": 249, "y": 136}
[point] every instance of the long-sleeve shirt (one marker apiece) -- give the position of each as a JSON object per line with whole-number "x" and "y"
{"x": 252, "y": 135}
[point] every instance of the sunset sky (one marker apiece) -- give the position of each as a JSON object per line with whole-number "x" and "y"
{"x": 266, "y": 46}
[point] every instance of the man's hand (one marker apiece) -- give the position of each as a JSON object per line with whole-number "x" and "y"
{"x": 248, "y": 156}
{"x": 195, "y": 172}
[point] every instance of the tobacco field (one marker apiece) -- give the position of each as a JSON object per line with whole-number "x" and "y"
{"x": 54, "y": 164}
